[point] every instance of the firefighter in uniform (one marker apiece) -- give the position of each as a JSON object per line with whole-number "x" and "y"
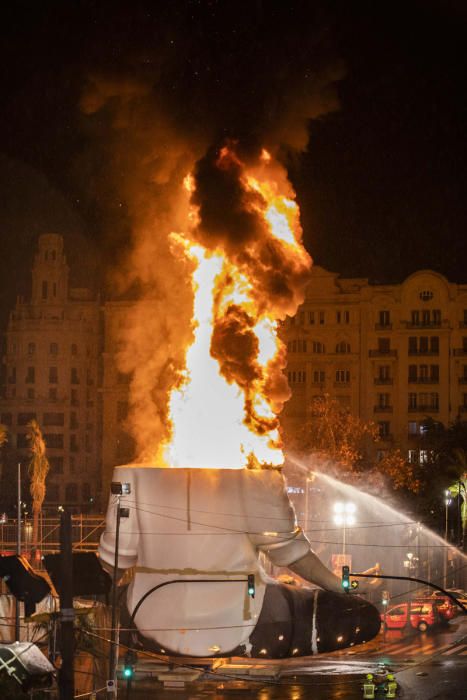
{"x": 391, "y": 686}
{"x": 369, "y": 687}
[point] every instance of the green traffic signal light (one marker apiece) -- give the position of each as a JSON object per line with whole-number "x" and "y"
{"x": 345, "y": 578}
{"x": 251, "y": 585}
{"x": 128, "y": 672}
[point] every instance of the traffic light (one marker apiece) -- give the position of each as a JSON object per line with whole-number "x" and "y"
{"x": 251, "y": 585}
{"x": 345, "y": 578}
{"x": 354, "y": 584}
{"x": 129, "y": 665}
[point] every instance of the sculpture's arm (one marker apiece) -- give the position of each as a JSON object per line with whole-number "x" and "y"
{"x": 312, "y": 569}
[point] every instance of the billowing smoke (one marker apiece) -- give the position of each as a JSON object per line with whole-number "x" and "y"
{"x": 201, "y": 90}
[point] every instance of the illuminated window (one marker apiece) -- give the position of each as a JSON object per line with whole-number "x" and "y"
{"x": 412, "y": 456}
{"x": 413, "y": 427}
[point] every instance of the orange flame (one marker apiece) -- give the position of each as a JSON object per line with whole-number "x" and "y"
{"x": 224, "y": 412}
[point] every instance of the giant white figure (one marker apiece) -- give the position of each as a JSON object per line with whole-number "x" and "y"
{"x": 203, "y": 530}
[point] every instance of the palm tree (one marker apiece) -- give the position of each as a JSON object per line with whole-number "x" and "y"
{"x": 38, "y": 469}
{"x": 457, "y": 489}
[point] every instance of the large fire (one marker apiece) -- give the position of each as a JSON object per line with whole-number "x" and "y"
{"x": 224, "y": 411}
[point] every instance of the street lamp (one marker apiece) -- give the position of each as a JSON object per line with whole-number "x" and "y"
{"x": 344, "y": 516}
{"x": 117, "y": 489}
{"x": 447, "y": 503}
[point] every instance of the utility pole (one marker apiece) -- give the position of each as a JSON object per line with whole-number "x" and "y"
{"x": 18, "y": 550}
{"x": 66, "y": 681}
{"x": 113, "y": 657}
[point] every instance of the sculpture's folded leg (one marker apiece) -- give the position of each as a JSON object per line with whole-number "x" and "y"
{"x": 302, "y": 621}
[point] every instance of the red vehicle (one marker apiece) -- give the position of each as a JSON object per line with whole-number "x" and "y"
{"x": 418, "y": 614}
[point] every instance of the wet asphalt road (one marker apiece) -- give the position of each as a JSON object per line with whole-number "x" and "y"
{"x": 428, "y": 666}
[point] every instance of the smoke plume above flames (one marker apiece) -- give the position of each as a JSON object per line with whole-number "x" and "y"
{"x": 193, "y": 140}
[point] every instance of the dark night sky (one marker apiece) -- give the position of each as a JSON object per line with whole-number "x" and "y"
{"x": 382, "y": 185}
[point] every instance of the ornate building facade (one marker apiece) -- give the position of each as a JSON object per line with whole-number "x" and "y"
{"x": 51, "y": 371}
{"x": 394, "y": 354}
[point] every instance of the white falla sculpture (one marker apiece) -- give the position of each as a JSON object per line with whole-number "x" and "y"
{"x": 211, "y": 524}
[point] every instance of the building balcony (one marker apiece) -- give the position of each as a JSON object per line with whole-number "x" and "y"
{"x": 423, "y": 380}
{"x": 426, "y": 324}
{"x": 460, "y": 352}
{"x": 387, "y": 381}
{"x": 424, "y": 353}
{"x": 382, "y": 353}
{"x": 382, "y": 409}
{"x": 423, "y": 409}
{"x": 383, "y": 326}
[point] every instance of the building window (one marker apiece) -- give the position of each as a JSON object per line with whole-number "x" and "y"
{"x": 318, "y": 376}
{"x": 342, "y": 376}
{"x": 74, "y": 375}
{"x": 311, "y": 318}
{"x": 297, "y": 377}
{"x": 412, "y": 400}
{"x": 25, "y": 418}
{"x": 44, "y": 289}
{"x": 384, "y": 345}
{"x": 52, "y": 494}
{"x": 383, "y": 400}
{"x": 86, "y": 492}
{"x": 30, "y": 375}
{"x": 413, "y": 428}
{"x": 73, "y": 420}
{"x": 384, "y": 372}
{"x": 53, "y": 348}
{"x": 436, "y": 316}
{"x": 434, "y": 344}
{"x": 74, "y": 349}
{"x": 424, "y": 456}
{"x": 53, "y": 375}
{"x": 30, "y": 393}
{"x": 384, "y": 427}
{"x": 426, "y": 295}
{"x": 31, "y": 348}
{"x": 343, "y": 347}
{"x": 412, "y": 456}
{"x": 434, "y": 373}
{"x": 343, "y": 316}
{"x": 54, "y": 440}
{"x": 56, "y": 464}
{"x": 412, "y": 373}
{"x": 71, "y": 493}
{"x": 53, "y": 394}
{"x": 12, "y": 376}
{"x": 412, "y": 345}
{"x": 318, "y": 347}
{"x": 384, "y": 318}
{"x": 321, "y": 318}
{"x": 54, "y": 419}
{"x": 22, "y": 441}
{"x": 6, "y": 418}
{"x": 74, "y": 397}
{"x": 73, "y": 443}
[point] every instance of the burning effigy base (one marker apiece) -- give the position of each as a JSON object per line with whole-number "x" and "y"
{"x": 193, "y": 538}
